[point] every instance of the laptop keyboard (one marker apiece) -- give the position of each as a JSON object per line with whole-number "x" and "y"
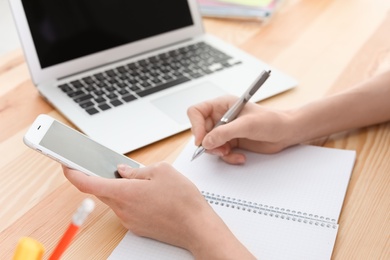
{"x": 114, "y": 87}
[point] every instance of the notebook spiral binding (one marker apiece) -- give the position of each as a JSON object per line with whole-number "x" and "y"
{"x": 270, "y": 211}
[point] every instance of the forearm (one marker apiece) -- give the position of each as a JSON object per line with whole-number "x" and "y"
{"x": 363, "y": 105}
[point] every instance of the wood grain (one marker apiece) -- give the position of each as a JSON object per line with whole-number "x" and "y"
{"x": 328, "y": 46}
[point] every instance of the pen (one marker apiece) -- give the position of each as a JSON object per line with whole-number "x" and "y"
{"x": 78, "y": 219}
{"x": 233, "y": 112}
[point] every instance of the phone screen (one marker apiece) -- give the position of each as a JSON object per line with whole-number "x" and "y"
{"x": 83, "y": 151}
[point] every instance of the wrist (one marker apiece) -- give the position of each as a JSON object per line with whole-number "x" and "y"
{"x": 312, "y": 121}
{"x": 298, "y": 129}
{"x": 212, "y": 239}
{"x": 288, "y": 129}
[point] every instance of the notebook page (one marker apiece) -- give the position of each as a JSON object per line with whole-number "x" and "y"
{"x": 268, "y": 237}
{"x": 306, "y": 179}
{"x": 265, "y": 236}
{"x": 135, "y": 247}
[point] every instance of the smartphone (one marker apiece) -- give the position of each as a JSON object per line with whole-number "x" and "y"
{"x": 74, "y": 149}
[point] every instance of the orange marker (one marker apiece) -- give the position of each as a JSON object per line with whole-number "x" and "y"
{"x": 78, "y": 219}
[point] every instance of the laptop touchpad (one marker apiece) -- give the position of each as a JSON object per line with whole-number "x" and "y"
{"x": 175, "y": 105}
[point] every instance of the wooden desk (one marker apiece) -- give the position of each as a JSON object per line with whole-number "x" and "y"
{"x": 326, "y": 45}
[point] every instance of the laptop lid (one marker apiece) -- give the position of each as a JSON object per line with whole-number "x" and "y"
{"x": 93, "y": 33}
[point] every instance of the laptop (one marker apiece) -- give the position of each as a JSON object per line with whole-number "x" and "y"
{"x": 125, "y": 72}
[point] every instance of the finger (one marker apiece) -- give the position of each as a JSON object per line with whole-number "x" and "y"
{"x": 234, "y": 158}
{"x": 200, "y": 120}
{"x": 204, "y": 116}
{"x": 133, "y": 173}
{"x": 226, "y": 153}
{"x": 98, "y": 186}
{"x": 224, "y": 134}
{"x": 222, "y": 150}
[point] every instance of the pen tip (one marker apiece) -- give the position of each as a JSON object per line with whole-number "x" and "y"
{"x": 197, "y": 153}
{"x": 194, "y": 156}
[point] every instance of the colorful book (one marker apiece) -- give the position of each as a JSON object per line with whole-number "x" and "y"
{"x": 246, "y": 9}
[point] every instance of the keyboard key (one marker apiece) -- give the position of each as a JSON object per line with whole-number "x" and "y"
{"x": 145, "y": 84}
{"x": 87, "y": 104}
{"x": 98, "y": 93}
{"x": 123, "y": 92}
{"x": 83, "y": 98}
{"x": 122, "y": 69}
{"x": 110, "y": 89}
{"x": 167, "y": 77}
{"x": 135, "y": 88}
{"x": 75, "y": 93}
{"x": 112, "y": 96}
{"x": 92, "y": 111}
{"x": 121, "y": 85}
{"x": 195, "y": 75}
{"x": 77, "y": 84}
{"x": 162, "y": 86}
{"x": 111, "y": 73}
{"x": 90, "y": 89}
{"x": 88, "y": 80}
{"x": 116, "y": 102}
{"x": 104, "y": 107}
{"x": 131, "y": 66}
{"x": 100, "y": 100}
{"x": 66, "y": 88}
{"x": 129, "y": 98}
{"x": 156, "y": 81}
{"x": 100, "y": 76}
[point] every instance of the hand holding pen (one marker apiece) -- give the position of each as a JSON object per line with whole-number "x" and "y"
{"x": 233, "y": 112}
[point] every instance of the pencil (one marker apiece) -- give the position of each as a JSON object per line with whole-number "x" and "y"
{"x": 78, "y": 219}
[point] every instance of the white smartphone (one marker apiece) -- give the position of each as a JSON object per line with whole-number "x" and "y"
{"x": 74, "y": 149}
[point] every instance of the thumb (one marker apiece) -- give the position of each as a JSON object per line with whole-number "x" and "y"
{"x": 222, "y": 134}
{"x": 131, "y": 173}
{"x": 95, "y": 185}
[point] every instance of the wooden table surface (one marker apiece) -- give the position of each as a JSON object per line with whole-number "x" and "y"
{"x": 326, "y": 45}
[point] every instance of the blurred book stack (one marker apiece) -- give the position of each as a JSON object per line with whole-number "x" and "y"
{"x": 238, "y": 9}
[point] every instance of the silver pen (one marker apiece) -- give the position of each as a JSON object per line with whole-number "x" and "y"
{"x": 233, "y": 112}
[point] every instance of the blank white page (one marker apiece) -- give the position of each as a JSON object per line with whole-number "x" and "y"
{"x": 303, "y": 178}
{"x": 135, "y": 247}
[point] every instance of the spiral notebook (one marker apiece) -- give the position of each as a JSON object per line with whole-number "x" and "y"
{"x": 280, "y": 206}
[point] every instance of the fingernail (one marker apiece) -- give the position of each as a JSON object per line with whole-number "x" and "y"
{"x": 122, "y": 167}
{"x": 241, "y": 160}
{"x": 216, "y": 152}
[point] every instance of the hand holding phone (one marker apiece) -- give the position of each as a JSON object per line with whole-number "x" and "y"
{"x": 74, "y": 149}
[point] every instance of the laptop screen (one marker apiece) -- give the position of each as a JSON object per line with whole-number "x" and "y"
{"x": 70, "y": 29}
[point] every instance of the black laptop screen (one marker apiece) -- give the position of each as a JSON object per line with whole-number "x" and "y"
{"x": 64, "y": 30}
